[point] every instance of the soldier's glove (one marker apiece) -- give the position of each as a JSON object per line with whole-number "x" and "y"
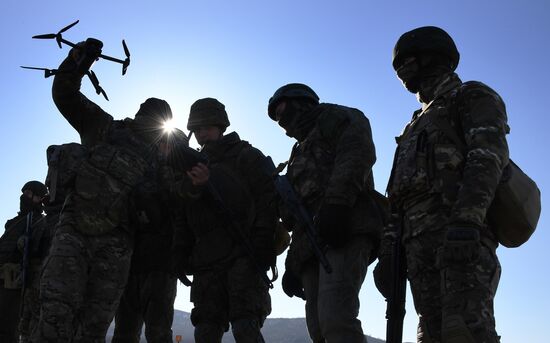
{"x": 461, "y": 245}
{"x": 282, "y": 238}
{"x": 334, "y": 224}
{"x": 86, "y": 53}
{"x": 292, "y": 285}
{"x": 382, "y": 273}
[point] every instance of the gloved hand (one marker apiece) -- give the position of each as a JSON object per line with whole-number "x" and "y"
{"x": 282, "y": 238}
{"x": 86, "y": 53}
{"x": 382, "y": 274}
{"x": 461, "y": 245}
{"x": 334, "y": 223}
{"x": 292, "y": 285}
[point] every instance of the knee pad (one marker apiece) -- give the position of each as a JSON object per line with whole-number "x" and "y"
{"x": 454, "y": 330}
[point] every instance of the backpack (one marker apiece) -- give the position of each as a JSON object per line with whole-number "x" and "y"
{"x": 515, "y": 210}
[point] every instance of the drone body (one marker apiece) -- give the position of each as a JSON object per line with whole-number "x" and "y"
{"x": 87, "y": 53}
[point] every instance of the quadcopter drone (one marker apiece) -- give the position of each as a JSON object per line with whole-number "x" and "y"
{"x": 91, "y": 75}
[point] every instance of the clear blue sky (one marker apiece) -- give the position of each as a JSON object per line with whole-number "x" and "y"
{"x": 241, "y": 51}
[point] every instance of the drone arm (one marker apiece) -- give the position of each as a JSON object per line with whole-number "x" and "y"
{"x": 95, "y": 83}
{"x": 71, "y": 44}
{"x": 112, "y": 59}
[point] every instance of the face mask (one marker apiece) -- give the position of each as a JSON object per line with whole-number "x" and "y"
{"x": 287, "y": 118}
{"x": 26, "y": 205}
{"x": 409, "y": 75}
{"x": 298, "y": 118}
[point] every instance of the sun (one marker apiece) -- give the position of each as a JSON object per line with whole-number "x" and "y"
{"x": 168, "y": 126}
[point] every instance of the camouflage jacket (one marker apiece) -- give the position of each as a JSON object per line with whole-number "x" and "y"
{"x": 430, "y": 171}
{"x": 118, "y": 159}
{"x": 236, "y": 174}
{"x": 154, "y": 225}
{"x": 333, "y": 164}
{"x": 15, "y": 228}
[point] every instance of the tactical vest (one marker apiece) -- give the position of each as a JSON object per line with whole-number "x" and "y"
{"x": 105, "y": 180}
{"x": 15, "y": 229}
{"x": 427, "y": 162}
{"x": 312, "y": 161}
{"x": 214, "y": 243}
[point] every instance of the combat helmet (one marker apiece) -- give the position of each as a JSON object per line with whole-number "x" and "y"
{"x": 426, "y": 39}
{"x": 207, "y": 112}
{"x": 155, "y": 108}
{"x": 291, "y": 90}
{"x": 36, "y": 187}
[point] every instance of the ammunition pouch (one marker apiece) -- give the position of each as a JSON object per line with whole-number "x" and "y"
{"x": 461, "y": 245}
{"x": 11, "y": 274}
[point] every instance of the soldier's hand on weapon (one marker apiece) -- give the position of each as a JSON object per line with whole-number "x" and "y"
{"x": 292, "y": 285}
{"x": 334, "y": 223}
{"x": 383, "y": 272}
{"x": 199, "y": 174}
{"x": 86, "y": 53}
{"x": 461, "y": 245}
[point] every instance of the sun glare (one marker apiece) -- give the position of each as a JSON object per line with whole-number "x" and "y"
{"x": 169, "y": 126}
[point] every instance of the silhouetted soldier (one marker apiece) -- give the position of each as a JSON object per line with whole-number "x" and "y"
{"x": 227, "y": 286}
{"x": 441, "y": 192}
{"x": 17, "y": 240}
{"x": 330, "y": 168}
{"x": 89, "y": 260}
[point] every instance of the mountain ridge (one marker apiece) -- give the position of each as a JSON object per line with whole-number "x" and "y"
{"x": 275, "y": 330}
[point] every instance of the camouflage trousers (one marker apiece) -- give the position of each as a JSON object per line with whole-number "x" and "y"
{"x": 234, "y": 294}
{"x": 332, "y": 300}
{"x": 148, "y": 299}
{"x": 452, "y": 300}
{"x": 9, "y": 313}
{"x": 81, "y": 285}
{"x": 31, "y": 303}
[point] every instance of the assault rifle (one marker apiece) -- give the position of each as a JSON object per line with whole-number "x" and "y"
{"x": 185, "y": 158}
{"x": 300, "y": 214}
{"x": 236, "y": 233}
{"x": 27, "y": 235}
{"x": 395, "y": 310}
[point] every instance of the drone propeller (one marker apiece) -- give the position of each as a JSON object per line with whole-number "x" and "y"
{"x": 95, "y": 83}
{"x": 127, "y": 60}
{"x": 47, "y": 72}
{"x": 58, "y": 37}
